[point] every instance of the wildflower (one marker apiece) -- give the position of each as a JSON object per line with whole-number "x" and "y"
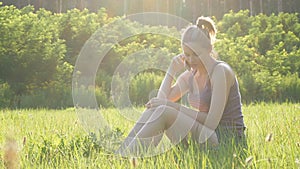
{"x": 24, "y": 141}
{"x": 249, "y": 160}
{"x": 269, "y": 137}
{"x": 134, "y": 162}
{"x": 269, "y": 160}
{"x": 11, "y": 160}
{"x": 297, "y": 161}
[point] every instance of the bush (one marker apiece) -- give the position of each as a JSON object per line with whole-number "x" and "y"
{"x": 144, "y": 86}
{"x": 290, "y": 88}
{"x": 54, "y": 95}
{"x": 38, "y": 50}
{"x": 5, "y": 95}
{"x": 264, "y": 53}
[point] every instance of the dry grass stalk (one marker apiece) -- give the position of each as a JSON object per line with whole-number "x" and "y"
{"x": 11, "y": 159}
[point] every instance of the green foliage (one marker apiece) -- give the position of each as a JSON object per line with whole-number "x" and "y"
{"x": 235, "y": 24}
{"x": 38, "y": 50}
{"x": 290, "y": 88}
{"x": 5, "y": 94}
{"x": 54, "y": 95}
{"x": 76, "y": 27}
{"x": 30, "y": 48}
{"x": 263, "y": 53}
{"x": 144, "y": 86}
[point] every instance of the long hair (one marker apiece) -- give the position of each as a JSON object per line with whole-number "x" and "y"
{"x": 207, "y": 25}
{"x": 201, "y": 35}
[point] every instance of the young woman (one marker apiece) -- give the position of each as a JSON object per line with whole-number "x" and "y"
{"x": 213, "y": 93}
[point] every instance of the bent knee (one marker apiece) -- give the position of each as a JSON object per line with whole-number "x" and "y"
{"x": 162, "y": 108}
{"x": 159, "y": 111}
{"x": 166, "y": 111}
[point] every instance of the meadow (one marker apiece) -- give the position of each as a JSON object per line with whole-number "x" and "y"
{"x": 46, "y": 138}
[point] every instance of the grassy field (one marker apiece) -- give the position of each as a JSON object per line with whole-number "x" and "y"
{"x": 56, "y": 139}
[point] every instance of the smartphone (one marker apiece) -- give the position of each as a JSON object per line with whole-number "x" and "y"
{"x": 187, "y": 66}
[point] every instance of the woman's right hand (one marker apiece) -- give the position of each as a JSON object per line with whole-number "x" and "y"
{"x": 177, "y": 64}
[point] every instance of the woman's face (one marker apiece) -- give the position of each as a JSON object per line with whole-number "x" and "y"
{"x": 191, "y": 59}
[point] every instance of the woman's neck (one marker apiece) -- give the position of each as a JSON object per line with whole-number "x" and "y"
{"x": 207, "y": 65}
{"x": 201, "y": 70}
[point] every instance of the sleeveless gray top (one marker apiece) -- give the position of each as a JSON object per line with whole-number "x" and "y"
{"x": 232, "y": 117}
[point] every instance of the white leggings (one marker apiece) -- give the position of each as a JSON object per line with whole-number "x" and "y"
{"x": 154, "y": 122}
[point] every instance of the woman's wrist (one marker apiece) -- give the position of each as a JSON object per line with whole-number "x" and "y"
{"x": 171, "y": 73}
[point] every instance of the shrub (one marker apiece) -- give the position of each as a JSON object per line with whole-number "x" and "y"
{"x": 5, "y": 95}
{"x": 144, "y": 86}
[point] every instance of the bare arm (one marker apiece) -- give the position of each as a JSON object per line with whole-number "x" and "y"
{"x": 166, "y": 90}
{"x": 180, "y": 87}
{"x": 222, "y": 80}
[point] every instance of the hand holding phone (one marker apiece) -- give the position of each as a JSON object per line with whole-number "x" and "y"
{"x": 177, "y": 64}
{"x": 187, "y": 66}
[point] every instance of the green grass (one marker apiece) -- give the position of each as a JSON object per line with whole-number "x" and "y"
{"x": 56, "y": 139}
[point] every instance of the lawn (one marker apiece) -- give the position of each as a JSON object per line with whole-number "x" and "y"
{"x": 57, "y": 139}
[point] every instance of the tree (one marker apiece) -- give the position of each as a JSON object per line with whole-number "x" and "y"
{"x": 30, "y": 49}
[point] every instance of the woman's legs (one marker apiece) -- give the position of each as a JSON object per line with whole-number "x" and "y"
{"x": 138, "y": 125}
{"x": 150, "y": 128}
{"x": 180, "y": 124}
{"x": 146, "y": 131}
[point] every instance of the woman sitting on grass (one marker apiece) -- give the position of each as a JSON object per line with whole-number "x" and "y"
{"x": 213, "y": 92}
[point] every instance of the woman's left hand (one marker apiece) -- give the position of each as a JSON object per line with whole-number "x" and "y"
{"x": 155, "y": 102}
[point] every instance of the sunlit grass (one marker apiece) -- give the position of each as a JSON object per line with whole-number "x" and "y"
{"x": 56, "y": 139}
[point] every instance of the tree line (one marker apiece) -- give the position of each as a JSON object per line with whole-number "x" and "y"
{"x": 188, "y": 9}
{"x": 39, "y": 48}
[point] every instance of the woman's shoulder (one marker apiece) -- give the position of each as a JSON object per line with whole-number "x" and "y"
{"x": 223, "y": 68}
{"x": 221, "y": 65}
